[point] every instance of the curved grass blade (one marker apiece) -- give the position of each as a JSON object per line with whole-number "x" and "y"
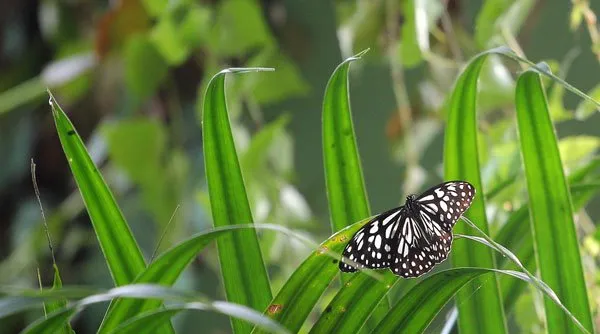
{"x": 550, "y": 207}
{"x": 480, "y": 305}
{"x": 167, "y": 268}
{"x": 244, "y": 273}
{"x": 303, "y": 289}
{"x": 415, "y": 311}
{"x": 353, "y": 304}
{"x": 164, "y": 271}
{"x": 420, "y": 305}
{"x": 345, "y": 184}
{"x": 529, "y": 277}
{"x": 121, "y": 251}
{"x": 515, "y": 235}
{"x": 144, "y": 291}
{"x": 145, "y": 323}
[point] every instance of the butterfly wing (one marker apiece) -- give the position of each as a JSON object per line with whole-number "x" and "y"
{"x": 372, "y": 246}
{"x": 410, "y": 243}
{"x": 416, "y": 257}
{"x": 443, "y": 204}
{"x": 426, "y": 236}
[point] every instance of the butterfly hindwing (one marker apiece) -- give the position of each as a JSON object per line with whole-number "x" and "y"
{"x": 416, "y": 260}
{"x": 372, "y": 246}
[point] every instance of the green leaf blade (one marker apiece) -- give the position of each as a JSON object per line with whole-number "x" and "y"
{"x": 354, "y": 303}
{"x": 302, "y": 290}
{"x": 415, "y": 311}
{"x": 550, "y": 207}
{"x": 346, "y": 191}
{"x": 52, "y": 306}
{"x": 121, "y": 251}
{"x": 479, "y": 312}
{"x": 347, "y": 196}
{"x": 244, "y": 273}
{"x": 164, "y": 271}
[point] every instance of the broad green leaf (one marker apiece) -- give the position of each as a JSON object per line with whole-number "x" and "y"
{"x": 166, "y": 39}
{"x": 145, "y": 69}
{"x": 244, "y": 273}
{"x": 142, "y": 142}
{"x": 479, "y": 305}
{"x": 123, "y": 256}
{"x": 486, "y": 24}
{"x": 550, "y": 207}
{"x": 239, "y": 27}
{"x": 180, "y": 29}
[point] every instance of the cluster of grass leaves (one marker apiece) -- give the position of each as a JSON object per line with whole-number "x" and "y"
{"x": 541, "y": 234}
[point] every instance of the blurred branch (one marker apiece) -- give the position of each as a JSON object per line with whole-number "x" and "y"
{"x": 582, "y": 12}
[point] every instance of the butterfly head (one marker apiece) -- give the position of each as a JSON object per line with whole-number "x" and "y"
{"x": 411, "y": 203}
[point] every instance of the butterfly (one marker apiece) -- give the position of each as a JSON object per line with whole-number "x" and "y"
{"x": 413, "y": 238}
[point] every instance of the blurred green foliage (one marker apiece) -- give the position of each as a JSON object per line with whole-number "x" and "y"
{"x": 131, "y": 75}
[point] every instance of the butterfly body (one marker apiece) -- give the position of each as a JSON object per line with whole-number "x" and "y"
{"x": 412, "y": 238}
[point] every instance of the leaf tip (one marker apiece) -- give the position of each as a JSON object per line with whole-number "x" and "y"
{"x": 360, "y": 54}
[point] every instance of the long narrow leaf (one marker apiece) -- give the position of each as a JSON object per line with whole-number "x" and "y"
{"x": 167, "y": 268}
{"x": 343, "y": 172}
{"x": 123, "y": 256}
{"x": 244, "y": 273}
{"x": 303, "y": 289}
{"x": 515, "y": 235}
{"x": 346, "y": 191}
{"x": 164, "y": 271}
{"x": 420, "y": 305}
{"x": 145, "y": 323}
{"x": 423, "y": 302}
{"x": 479, "y": 305}
{"x": 550, "y": 207}
{"x": 354, "y": 303}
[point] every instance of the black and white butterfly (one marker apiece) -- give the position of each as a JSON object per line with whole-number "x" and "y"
{"x": 410, "y": 239}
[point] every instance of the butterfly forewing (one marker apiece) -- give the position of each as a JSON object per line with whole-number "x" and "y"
{"x": 372, "y": 246}
{"x": 410, "y": 239}
{"x": 445, "y": 203}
